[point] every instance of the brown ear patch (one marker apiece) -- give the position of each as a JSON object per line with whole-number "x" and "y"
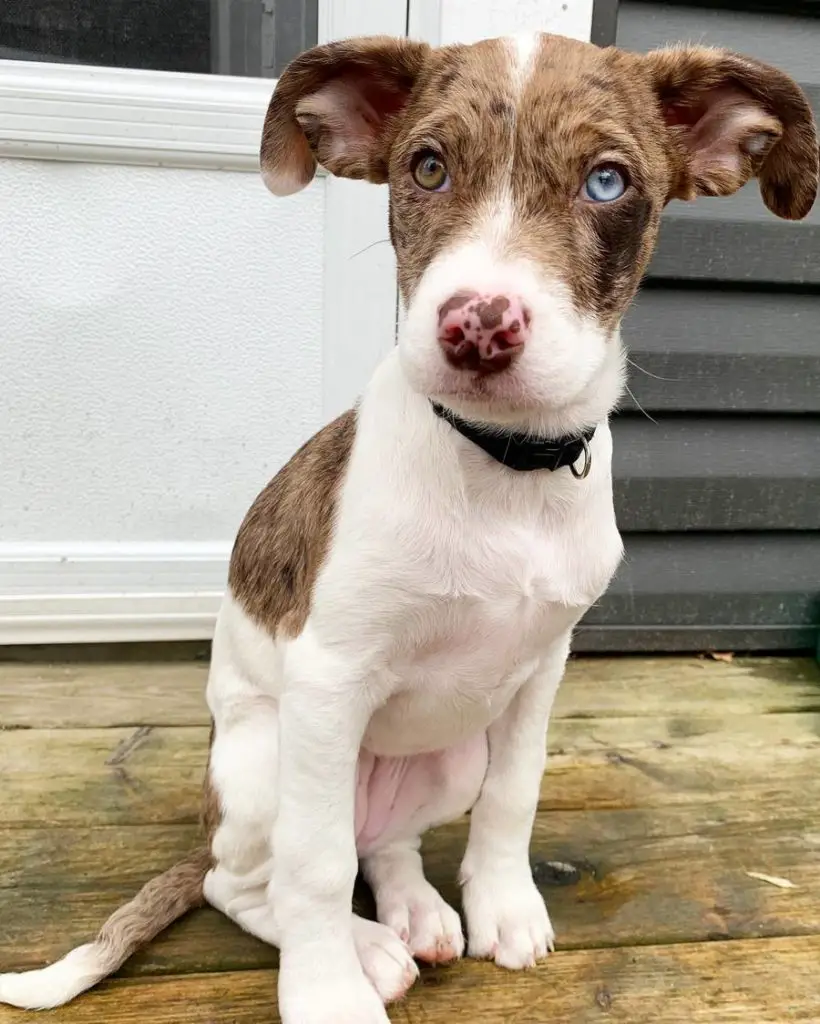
{"x": 735, "y": 118}
{"x": 335, "y": 105}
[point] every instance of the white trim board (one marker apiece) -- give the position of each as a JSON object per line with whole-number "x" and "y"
{"x": 424, "y": 20}
{"x": 125, "y": 116}
{"x": 360, "y": 267}
{"x": 467, "y": 21}
{"x": 83, "y": 593}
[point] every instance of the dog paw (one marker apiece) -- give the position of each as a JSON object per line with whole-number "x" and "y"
{"x": 319, "y": 1001}
{"x": 422, "y": 919}
{"x": 385, "y": 959}
{"x": 507, "y": 921}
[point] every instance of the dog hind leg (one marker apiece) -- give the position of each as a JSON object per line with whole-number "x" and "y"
{"x": 439, "y": 788}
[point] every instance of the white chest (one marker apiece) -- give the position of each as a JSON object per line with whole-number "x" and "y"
{"x": 451, "y": 577}
{"x": 481, "y": 621}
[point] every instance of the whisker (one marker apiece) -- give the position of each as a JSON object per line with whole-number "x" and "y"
{"x": 654, "y": 376}
{"x": 635, "y": 400}
{"x": 379, "y": 241}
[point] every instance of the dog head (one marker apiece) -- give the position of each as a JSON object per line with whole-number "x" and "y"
{"x": 527, "y": 179}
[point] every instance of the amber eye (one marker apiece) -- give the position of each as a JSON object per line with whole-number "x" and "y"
{"x": 429, "y": 172}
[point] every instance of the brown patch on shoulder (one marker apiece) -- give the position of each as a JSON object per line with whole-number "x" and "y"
{"x": 284, "y": 538}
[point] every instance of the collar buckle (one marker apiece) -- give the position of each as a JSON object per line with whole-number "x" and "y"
{"x": 583, "y": 472}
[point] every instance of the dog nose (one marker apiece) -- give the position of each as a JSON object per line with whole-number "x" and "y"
{"x": 482, "y": 332}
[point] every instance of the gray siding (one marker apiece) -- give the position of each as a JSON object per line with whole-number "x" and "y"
{"x": 719, "y": 497}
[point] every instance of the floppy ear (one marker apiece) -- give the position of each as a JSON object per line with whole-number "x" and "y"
{"x": 335, "y": 104}
{"x": 732, "y": 118}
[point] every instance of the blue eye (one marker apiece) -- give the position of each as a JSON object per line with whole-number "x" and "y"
{"x": 604, "y": 184}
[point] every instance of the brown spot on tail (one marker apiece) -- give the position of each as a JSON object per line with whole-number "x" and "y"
{"x": 156, "y": 906}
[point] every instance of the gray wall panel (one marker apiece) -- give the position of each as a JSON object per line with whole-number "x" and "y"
{"x": 780, "y": 39}
{"x": 717, "y": 474}
{"x": 724, "y": 351}
{"x": 711, "y": 239}
{"x": 719, "y": 500}
{"x": 703, "y": 637}
{"x": 703, "y": 249}
{"x": 688, "y": 589}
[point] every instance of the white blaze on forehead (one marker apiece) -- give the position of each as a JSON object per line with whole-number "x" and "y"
{"x": 496, "y": 225}
{"x": 524, "y": 47}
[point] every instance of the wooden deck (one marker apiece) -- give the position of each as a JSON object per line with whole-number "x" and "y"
{"x": 670, "y": 781}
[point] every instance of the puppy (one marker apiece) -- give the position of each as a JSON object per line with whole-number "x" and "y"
{"x": 402, "y": 595}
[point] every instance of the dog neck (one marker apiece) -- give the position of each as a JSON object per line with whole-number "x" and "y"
{"x": 522, "y": 451}
{"x": 412, "y": 447}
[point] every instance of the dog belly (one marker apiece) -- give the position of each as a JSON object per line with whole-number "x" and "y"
{"x": 401, "y": 797}
{"x": 397, "y": 798}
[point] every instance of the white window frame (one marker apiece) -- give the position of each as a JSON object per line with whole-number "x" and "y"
{"x": 170, "y": 119}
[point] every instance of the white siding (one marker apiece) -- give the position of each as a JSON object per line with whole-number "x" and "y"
{"x": 161, "y": 348}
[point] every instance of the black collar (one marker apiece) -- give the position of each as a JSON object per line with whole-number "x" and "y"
{"x": 522, "y": 452}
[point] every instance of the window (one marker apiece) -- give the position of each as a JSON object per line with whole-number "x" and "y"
{"x": 225, "y": 37}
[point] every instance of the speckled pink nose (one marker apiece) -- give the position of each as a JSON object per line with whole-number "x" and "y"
{"x": 482, "y": 332}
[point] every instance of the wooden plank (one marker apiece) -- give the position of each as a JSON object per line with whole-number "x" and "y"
{"x": 670, "y": 874}
{"x": 123, "y": 776}
{"x": 668, "y": 686}
{"x": 632, "y": 762}
{"x": 106, "y": 860}
{"x": 101, "y": 776}
{"x": 92, "y": 695}
{"x": 39, "y": 928}
{"x": 632, "y": 877}
{"x": 766, "y": 982}
{"x": 113, "y": 693}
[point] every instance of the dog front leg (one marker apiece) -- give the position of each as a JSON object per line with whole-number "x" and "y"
{"x": 324, "y": 711}
{"x": 507, "y": 920}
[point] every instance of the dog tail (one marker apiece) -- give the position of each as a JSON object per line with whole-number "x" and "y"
{"x": 157, "y": 905}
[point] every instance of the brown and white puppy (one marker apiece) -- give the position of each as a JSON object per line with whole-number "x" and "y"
{"x": 400, "y": 602}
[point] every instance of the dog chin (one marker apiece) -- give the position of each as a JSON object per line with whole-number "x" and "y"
{"x": 485, "y": 392}
{"x": 493, "y": 401}
{"x": 521, "y": 400}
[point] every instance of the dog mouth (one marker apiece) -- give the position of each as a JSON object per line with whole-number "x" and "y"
{"x": 479, "y": 381}
{"x": 481, "y": 391}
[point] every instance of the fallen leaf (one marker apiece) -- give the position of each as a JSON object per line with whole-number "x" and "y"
{"x": 781, "y": 883}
